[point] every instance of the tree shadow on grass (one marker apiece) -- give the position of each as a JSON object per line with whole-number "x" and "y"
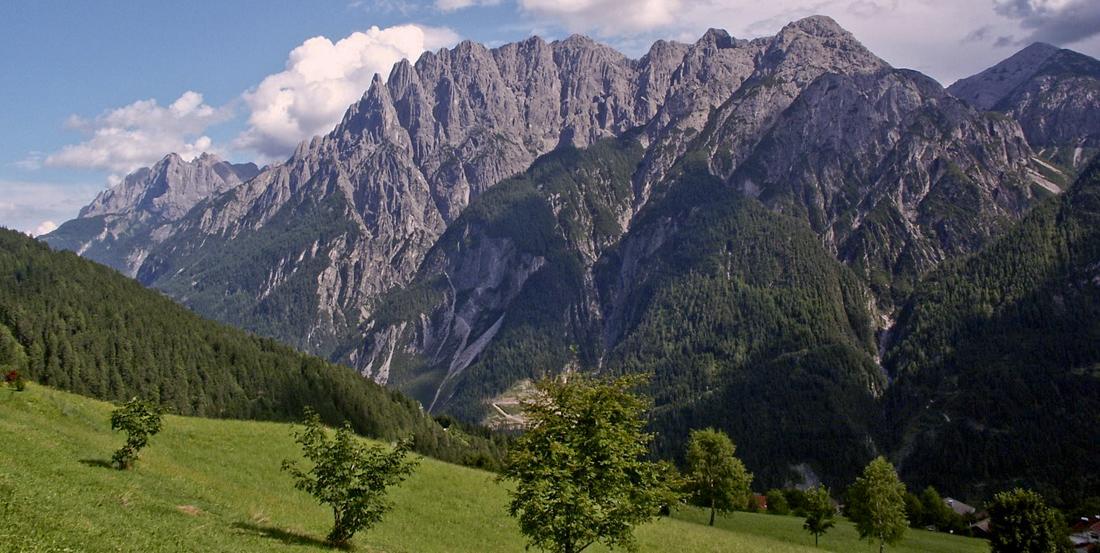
{"x": 97, "y": 463}
{"x": 286, "y": 536}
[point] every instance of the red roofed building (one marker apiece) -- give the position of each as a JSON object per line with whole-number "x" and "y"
{"x": 761, "y": 501}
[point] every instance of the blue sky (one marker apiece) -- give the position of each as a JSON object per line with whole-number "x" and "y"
{"x": 95, "y": 89}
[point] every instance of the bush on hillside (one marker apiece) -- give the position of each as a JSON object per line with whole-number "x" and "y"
{"x": 140, "y": 420}
{"x": 348, "y": 475}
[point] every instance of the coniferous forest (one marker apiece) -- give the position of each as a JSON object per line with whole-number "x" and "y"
{"x": 79, "y": 326}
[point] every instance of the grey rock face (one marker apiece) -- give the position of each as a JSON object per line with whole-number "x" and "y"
{"x": 891, "y": 172}
{"x": 749, "y": 84}
{"x": 883, "y": 165}
{"x": 122, "y": 223}
{"x": 1053, "y": 93}
{"x": 409, "y": 157}
{"x": 170, "y": 188}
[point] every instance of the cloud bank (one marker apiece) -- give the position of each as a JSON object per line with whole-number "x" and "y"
{"x": 322, "y": 79}
{"x": 129, "y": 137}
{"x": 34, "y": 207}
{"x": 1055, "y": 21}
{"x": 605, "y": 17}
{"x": 453, "y": 5}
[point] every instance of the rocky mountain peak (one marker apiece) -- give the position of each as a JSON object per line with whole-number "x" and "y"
{"x": 117, "y": 227}
{"x": 1054, "y": 94}
{"x": 717, "y": 38}
{"x": 1037, "y": 50}
{"x": 578, "y": 41}
{"x": 985, "y": 89}
{"x": 816, "y": 25}
{"x": 170, "y": 187}
{"x": 805, "y": 48}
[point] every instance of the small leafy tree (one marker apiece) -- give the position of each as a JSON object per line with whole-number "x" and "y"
{"x": 914, "y": 511}
{"x": 820, "y": 512}
{"x": 140, "y": 420}
{"x": 672, "y": 482}
{"x": 580, "y": 470}
{"x": 348, "y": 475}
{"x": 1021, "y": 522}
{"x": 716, "y": 478}
{"x": 935, "y": 512}
{"x": 877, "y": 504}
{"x": 796, "y": 500}
{"x": 777, "y": 502}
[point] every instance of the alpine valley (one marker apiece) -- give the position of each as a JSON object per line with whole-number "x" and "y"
{"x": 824, "y": 256}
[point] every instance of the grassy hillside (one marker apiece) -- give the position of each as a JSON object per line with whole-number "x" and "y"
{"x": 214, "y": 485}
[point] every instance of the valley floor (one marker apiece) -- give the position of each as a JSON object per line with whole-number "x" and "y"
{"x": 213, "y": 485}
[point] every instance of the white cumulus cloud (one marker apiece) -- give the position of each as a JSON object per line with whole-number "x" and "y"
{"x": 45, "y": 227}
{"x": 322, "y": 78}
{"x": 123, "y": 139}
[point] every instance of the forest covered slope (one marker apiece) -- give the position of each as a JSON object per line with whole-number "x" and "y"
{"x": 76, "y": 325}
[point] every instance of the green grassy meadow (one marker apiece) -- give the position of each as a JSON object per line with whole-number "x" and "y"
{"x": 208, "y": 485}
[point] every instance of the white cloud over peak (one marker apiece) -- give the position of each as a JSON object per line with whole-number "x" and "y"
{"x": 45, "y": 227}
{"x": 606, "y": 17}
{"x": 322, "y": 78}
{"x": 453, "y": 5}
{"x": 920, "y": 34}
{"x": 126, "y": 138}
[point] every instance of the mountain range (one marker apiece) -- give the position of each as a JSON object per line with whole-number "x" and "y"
{"x": 777, "y": 230}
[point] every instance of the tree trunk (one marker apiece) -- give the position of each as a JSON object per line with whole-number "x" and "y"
{"x": 881, "y": 546}
{"x": 338, "y": 537}
{"x": 815, "y": 540}
{"x": 712, "y": 512}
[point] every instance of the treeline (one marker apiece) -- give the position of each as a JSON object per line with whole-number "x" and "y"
{"x": 75, "y": 325}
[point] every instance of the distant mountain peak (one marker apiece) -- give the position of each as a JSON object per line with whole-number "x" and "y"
{"x": 143, "y": 201}
{"x": 717, "y": 37}
{"x": 985, "y": 89}
{"x": 817, "y": 25}
{"x": 170, "y": 186}
{"x": 1039, "y": 47}
{"x": 579, "y": 39}
{"x": 1052, "y": 92}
